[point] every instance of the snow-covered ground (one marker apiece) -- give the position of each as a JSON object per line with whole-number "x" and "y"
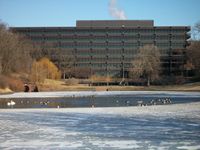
{"x": 174, "y": 126}
{"x": 95, "y": 93}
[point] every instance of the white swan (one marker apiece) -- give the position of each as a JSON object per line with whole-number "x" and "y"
{"x": 11, "y": 103}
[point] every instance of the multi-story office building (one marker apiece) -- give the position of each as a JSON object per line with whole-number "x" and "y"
{"x": 108, "y": 47}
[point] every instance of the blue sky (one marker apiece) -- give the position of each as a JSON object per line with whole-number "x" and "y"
{"x": 66, "y": 12}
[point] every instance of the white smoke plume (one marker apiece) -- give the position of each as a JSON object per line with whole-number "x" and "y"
{"x": 116, "y": 12}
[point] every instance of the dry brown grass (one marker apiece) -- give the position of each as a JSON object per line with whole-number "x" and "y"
{"x": 5, "y": 90}
{"x": 53, "y": 85}
{"x": 12, "y": 83}
{"x": 100, "y": 78}
{"x": 57, "y": 85}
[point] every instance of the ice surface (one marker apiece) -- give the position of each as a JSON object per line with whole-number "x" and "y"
{"x": 95, "y": 93}
{"x": 189, "y": 147}
{"x": 163, "y": 127}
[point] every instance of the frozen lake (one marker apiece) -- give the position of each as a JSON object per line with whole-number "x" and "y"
{"x": 96, "y": 99}
{"x": 161, "y": 127}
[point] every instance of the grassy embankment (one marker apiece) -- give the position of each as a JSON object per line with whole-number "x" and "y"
{"x": 54, "y": 85}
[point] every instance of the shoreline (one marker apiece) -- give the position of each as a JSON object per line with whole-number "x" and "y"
{"x": 77, "y": 94}
{"x": 57, "y": 85}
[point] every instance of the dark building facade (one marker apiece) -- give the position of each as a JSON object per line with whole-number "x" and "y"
{"x": 109, "y": 47}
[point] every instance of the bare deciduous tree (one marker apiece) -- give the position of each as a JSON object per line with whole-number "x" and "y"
{"x": 193, "y": 55}
{"x": 14, "y": 52}
{"x": 146, "y": 64}
{"x": 193, "y": 51}
{"x": 64, "y": 60}
{"x": 42, "y": 50}
{"x": 196, "y": 31}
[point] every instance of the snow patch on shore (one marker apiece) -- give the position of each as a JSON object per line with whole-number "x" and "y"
{"x": 97, "y": 93}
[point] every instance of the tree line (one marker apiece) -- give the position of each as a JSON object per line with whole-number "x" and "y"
{"x": 19, "y": 55}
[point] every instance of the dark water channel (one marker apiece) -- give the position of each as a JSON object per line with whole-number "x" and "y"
{"x": 98, "y": 101}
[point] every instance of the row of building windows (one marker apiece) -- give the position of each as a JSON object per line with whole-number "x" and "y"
{"x": 119, "y": 63}
{"x": 133, "y": 43}
{"x": 103, "y": 32}
{"x": 159, "y": 45}
{"x": 104, "y": 65}
{"x": 126, "y": 55}
{"x": 104, "y": 39}
{"x": 98, "y": 51}
{"x": 113, "y": 48}
{"x": 112, "y": 31}
{"x": 107, "y": 40}
{"x": 104, "y": 35}
{"x": 95, "y": 56}
{"x": 114, "y": 66}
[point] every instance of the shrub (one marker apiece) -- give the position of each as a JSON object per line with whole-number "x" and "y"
{"x": 72, "y": 81}
{"x": 81, "y": 73}
{"x": 97, "y": 78}
{"x": 3, "y": 83}
{"x": 180, "y": 80}
{"x": 15, "y": 84}
{"x": 44, "y": 69}
{"x": 169, "y": 80}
